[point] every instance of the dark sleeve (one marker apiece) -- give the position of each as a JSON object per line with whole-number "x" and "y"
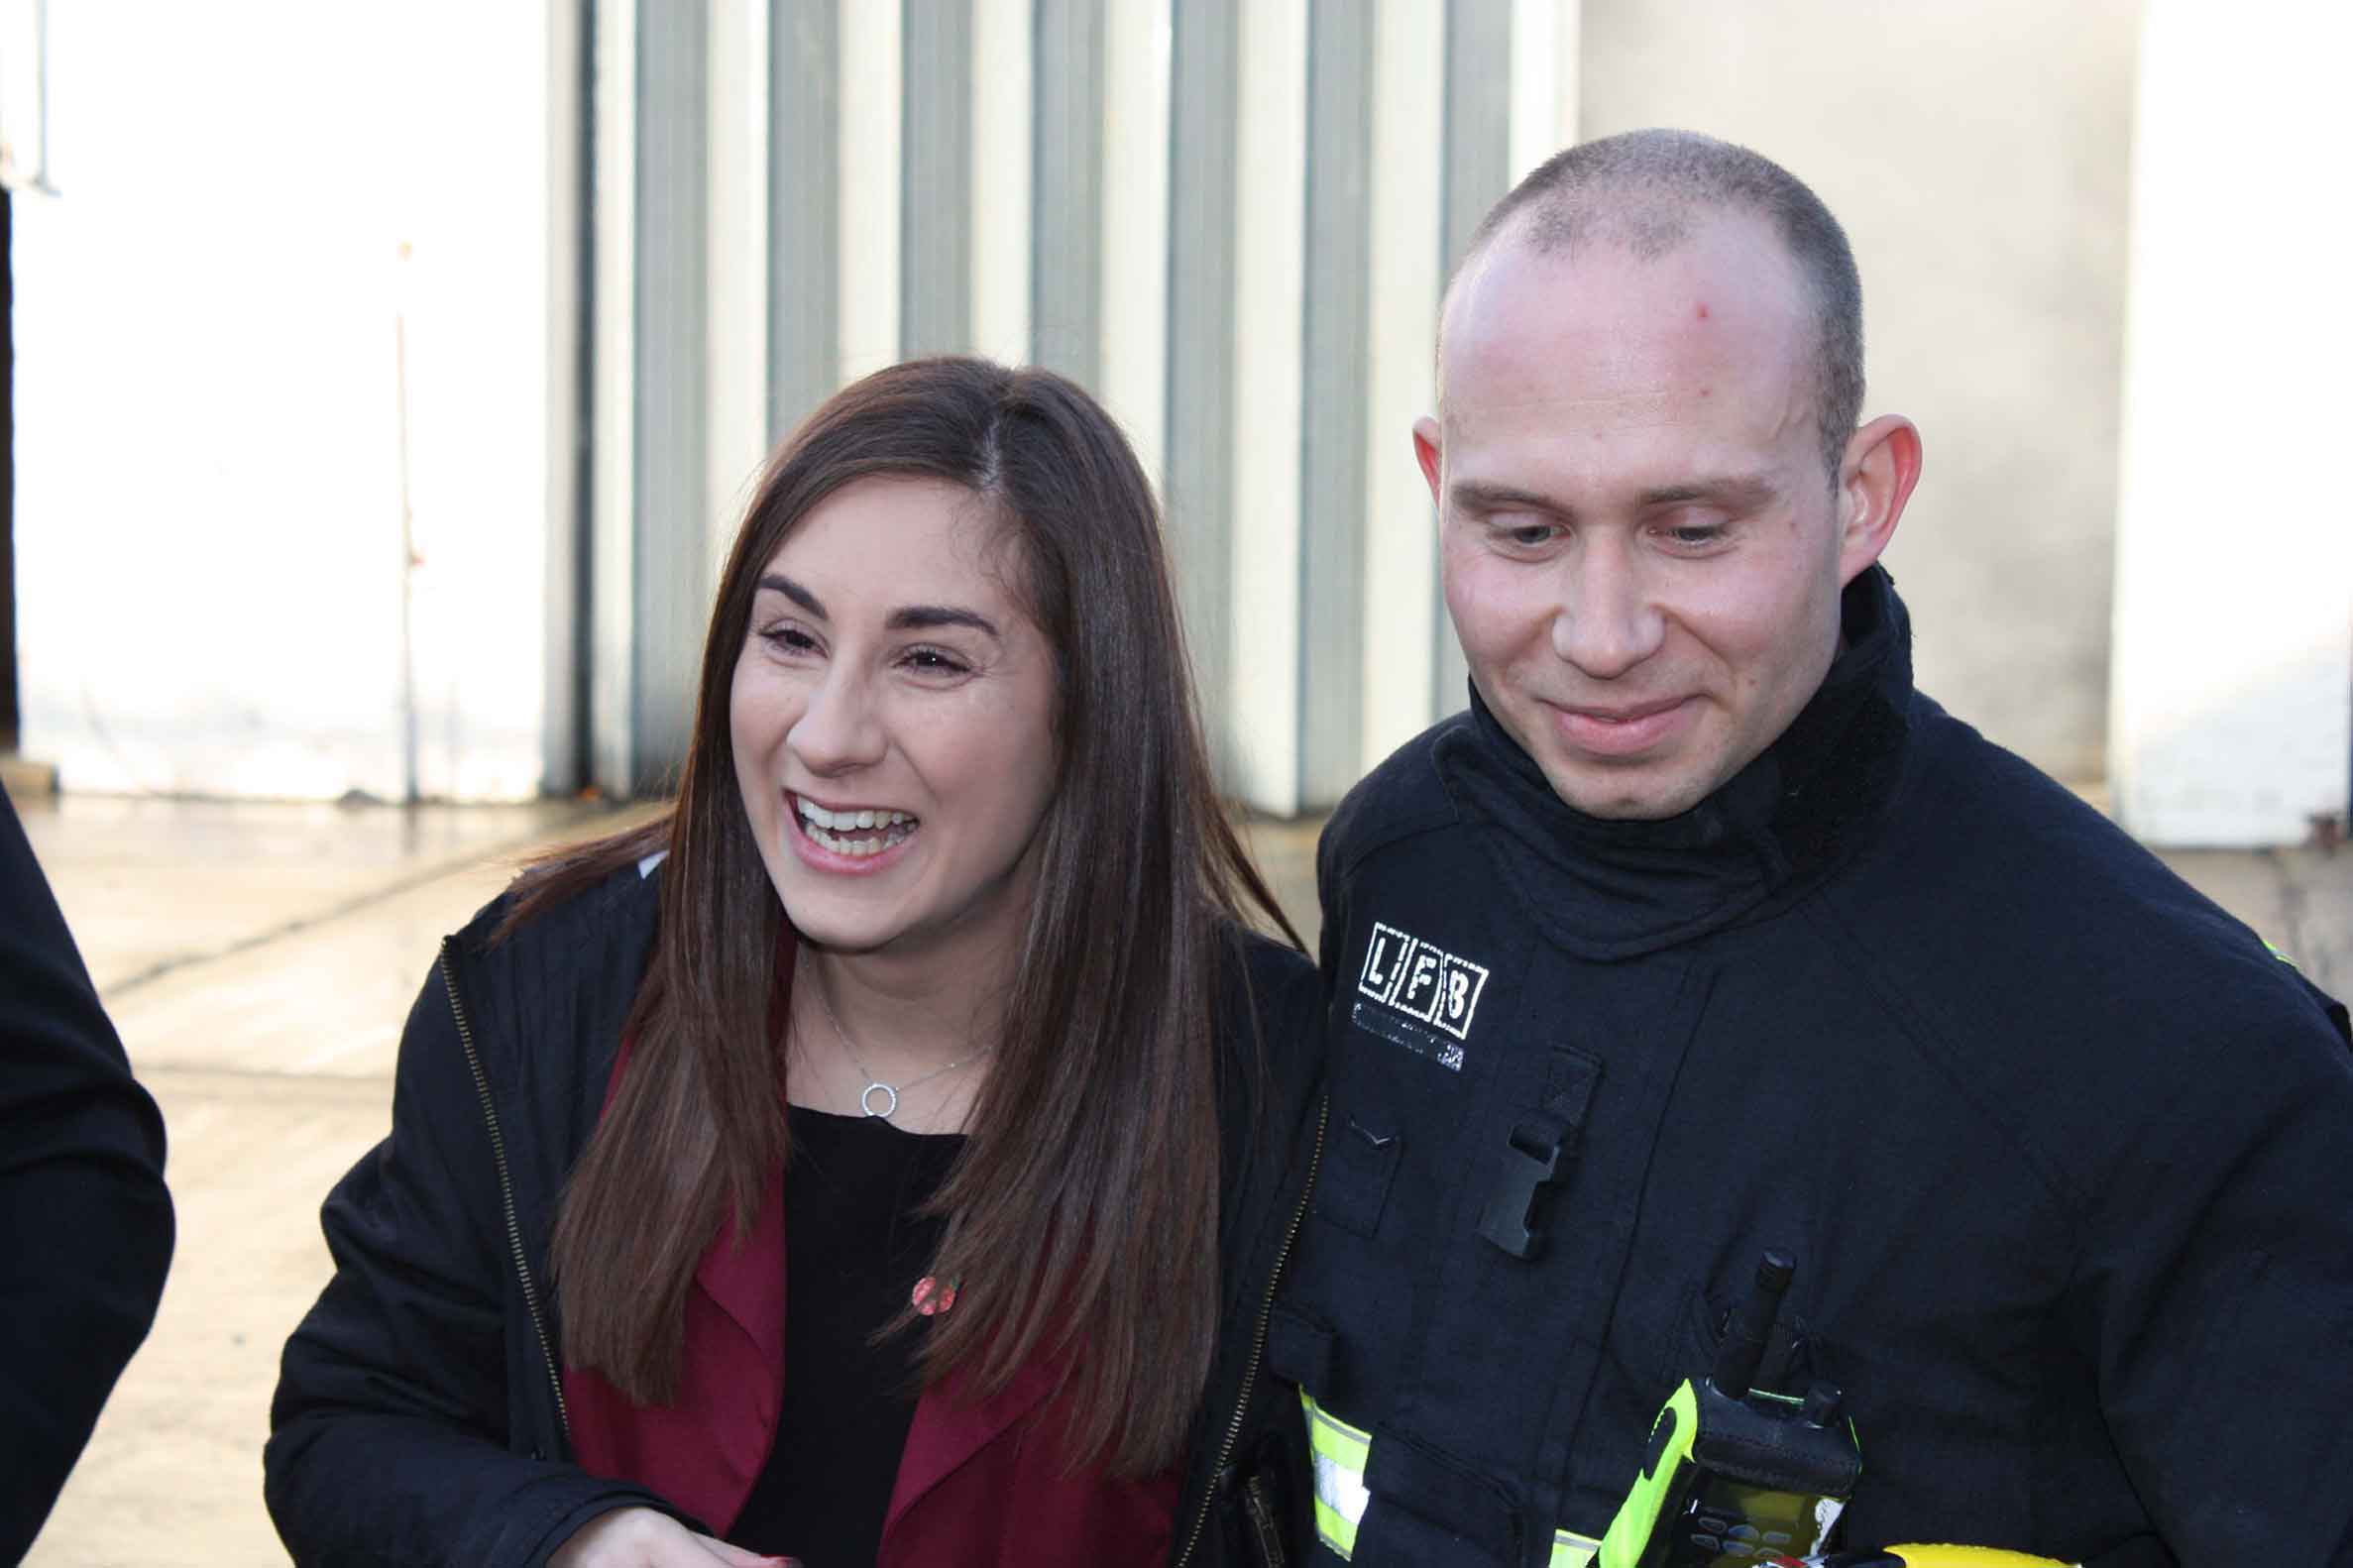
{"x": 2217, "y": 1300}
{"x": 86, "y": 1221}
{"x": 1331, "y": 908}
{"x": 389, "y": 1438}
{"x": 1246, "y": 1472}
{"x": 1273, "y": 1022}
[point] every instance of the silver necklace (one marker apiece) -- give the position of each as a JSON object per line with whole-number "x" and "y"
{"x": 889, "y": 1092}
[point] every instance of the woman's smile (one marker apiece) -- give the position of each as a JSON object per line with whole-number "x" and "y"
{"x": 860, "y": 839}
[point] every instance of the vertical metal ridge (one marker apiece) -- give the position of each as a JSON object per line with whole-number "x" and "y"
{"x": 1403, "y": 283}
{"x": 936, "y": 190}
{"x": 804, "y": 254}
{"x": 1067, "y": 190}
{"x": 1199, "y": 489}
{"x": 999, "y": 167}
{"x": 1133, "y": 322}
{"x": 1336, "y": 364}
{"x": 1269, "y": 395}
{"x": 610, "y": 578}
{"x": 869, "y": 177}
{"x": 567, "y": 576}
{"x": 670, "y": 558}
{"x": 1476, "y": 172}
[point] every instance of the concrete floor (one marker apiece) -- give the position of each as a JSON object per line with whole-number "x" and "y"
{"x": 259, "y": 960}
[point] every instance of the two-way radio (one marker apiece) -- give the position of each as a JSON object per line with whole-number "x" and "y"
{"x": 1735, "y": 1476}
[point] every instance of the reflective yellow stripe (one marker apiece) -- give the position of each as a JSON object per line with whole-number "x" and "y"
{"x": 1340, "y": 1451}
{"x": 1572, "y": 1550}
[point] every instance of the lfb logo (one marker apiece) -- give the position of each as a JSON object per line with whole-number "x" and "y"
{"x": 1420, "y": 980}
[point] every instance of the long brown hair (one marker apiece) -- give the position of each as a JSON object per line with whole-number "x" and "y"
{"x": 1082, "y": 1212}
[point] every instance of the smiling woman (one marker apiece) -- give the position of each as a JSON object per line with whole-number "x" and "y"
{"x": 932, "y": 995}
{"x": 892, "y": 719}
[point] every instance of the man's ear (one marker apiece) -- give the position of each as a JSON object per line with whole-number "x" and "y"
{"x": 1425, "y": 452}
{"x": 1875, "y": 480}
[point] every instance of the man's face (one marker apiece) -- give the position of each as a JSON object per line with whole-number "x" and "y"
{"x": 1641, "y": 551}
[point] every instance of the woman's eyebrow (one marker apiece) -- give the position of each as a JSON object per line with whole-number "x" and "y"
{"x": 922, "y": 617}
{"x": 908, "y": 618}
{"x": 776, "y": 583}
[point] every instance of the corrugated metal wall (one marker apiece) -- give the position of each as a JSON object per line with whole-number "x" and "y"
{"x": 1229, "y": 218}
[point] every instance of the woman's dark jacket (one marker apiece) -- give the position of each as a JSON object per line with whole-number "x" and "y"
{"x": 419, "y": 1415}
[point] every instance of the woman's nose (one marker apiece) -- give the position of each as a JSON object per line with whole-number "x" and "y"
{"x": 841, "y": 729}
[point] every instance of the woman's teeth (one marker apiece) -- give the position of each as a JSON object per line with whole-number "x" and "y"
{"x": 851, "y": 832}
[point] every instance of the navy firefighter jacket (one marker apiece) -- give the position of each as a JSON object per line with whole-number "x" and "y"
{"x": 2063, "y": 1153}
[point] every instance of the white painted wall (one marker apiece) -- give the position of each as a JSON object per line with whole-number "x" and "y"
{"x": 2231, "y": 715}
{"x": 209, "y": 397}
{"x": 1979, "y": 156}
{"x": 1545, "y": 59}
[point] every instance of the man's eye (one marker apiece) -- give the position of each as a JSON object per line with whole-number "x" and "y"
{"x": 1695, "y": 537}
{"x": 1531, "y": 535}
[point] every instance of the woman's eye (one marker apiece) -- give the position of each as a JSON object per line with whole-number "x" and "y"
{"x": 790, "y": 639}
{"x": 935, "y": 661}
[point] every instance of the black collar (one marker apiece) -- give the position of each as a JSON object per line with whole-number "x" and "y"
{"x": 1610, "y": 889}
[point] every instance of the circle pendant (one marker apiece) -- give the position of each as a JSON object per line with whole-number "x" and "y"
{"x": 891, "y": 1100}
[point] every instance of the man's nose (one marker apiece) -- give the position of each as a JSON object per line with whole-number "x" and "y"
{"x": 841, "y": 728}
{"x": 1607, "y": 621}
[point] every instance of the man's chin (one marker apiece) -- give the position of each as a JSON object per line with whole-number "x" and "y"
{"x": 1651, "y": 794}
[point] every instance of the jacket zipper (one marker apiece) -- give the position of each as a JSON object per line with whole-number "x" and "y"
{"x": 1258, "y": 1342}
{"x": 515, "y": 1230}
{"x": 1262, "y": 1519}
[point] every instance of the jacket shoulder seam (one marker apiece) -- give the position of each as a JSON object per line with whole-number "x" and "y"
{"x": 1402, "y": 799}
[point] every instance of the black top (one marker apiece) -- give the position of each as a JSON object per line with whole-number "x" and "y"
{"x": 854, "y": 1248}
{"x": 82, "y": 1205}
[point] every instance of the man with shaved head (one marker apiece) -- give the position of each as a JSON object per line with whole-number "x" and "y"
{"x": 1703, "y": 934}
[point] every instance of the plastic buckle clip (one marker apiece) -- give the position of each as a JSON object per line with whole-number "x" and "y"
{"x": 1526, "y": 1166}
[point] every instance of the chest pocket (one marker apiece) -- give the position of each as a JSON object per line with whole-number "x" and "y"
{"x": 1352, "y": 1187}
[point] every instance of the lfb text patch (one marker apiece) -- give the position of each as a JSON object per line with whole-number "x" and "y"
{"x": 1421, "y": 981}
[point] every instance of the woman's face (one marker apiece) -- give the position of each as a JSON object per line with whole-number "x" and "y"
{"x": 893, "y": 721}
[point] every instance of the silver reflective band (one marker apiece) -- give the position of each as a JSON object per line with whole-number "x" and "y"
{"x": 1340, "y": 1451}
{"x": 1572, "y": 1550}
